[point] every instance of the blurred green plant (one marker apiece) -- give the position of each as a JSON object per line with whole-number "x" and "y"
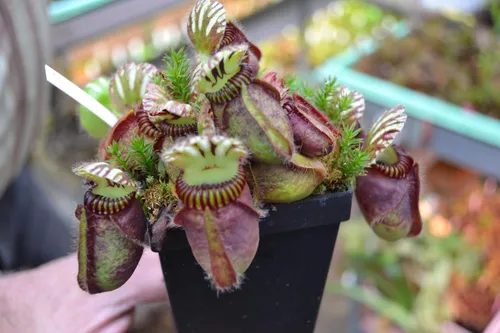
{"x": 95, "y": 126}
{"x": 342, "y": 25}
{"x": 494, "y": 6}
{"x": 329, "y": 31}
{"x": 449, "y": 60}
{"x": 405, "y": 281}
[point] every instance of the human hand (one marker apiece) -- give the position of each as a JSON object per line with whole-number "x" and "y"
{"x": 493, "y": 325}
{"x": 48, "y": 299}
{"x": 451, "y": 327}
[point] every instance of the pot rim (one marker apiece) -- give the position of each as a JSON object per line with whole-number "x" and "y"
{"x": 288, "y": 217}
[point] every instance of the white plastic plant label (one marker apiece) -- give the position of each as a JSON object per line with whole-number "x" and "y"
{"x": 79, "y": 95}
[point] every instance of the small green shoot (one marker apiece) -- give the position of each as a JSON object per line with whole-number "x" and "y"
{"x": 143, "y": 156}
{"x": 176, "y": 75}
{"x": 117, "y": 158}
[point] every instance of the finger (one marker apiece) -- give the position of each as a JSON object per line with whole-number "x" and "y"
{"x": 120, "y": 324}
{"x": 494, "y": 325}
{"x": 146, "y": 285}
{"x": 496, "y": 305}
{"x": 453, "y": 328}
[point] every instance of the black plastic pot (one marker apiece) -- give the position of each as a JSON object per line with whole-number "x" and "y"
{"x": 284, "y": 285}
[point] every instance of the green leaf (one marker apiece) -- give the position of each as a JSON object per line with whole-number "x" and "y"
{"x": 95, "y": 126}
{"x": 392, "y": 285}
{"x": 391, "y": 310}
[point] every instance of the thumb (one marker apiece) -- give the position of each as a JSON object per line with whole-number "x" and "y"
{"x": 494, "y": 324}
{"x": 50, "y": 294}
{"x": 450, "y": 327}
{"x": 146, "y": 285}
{"x": 496, "y": 305}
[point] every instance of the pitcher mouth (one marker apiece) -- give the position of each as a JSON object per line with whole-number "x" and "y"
{"x": 177, "y": 130}
{"x": 233, "y": 87}
{"x": 110, "y": 189}
{"x": 146, "y": 126}
{"x": 223, "y": 74}
{"x": 396, "y": 170}
{"x": 233, "y": 34}
{"x": 103, "y": 205}
{"x": 211, "y": 196}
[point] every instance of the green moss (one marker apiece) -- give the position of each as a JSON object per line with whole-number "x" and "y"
{"x": 176, "y": 76}
{"x": 349, "y": 160}
{"x": 117, "y": 159}
{"x": 157, "y": 195}
{"x": 139, "y": 157}
{"x": 142, "y": 154}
